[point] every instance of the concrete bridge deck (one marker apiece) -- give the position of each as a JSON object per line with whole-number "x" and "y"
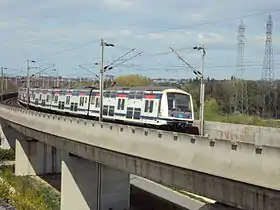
{"x": 236, "y": 173}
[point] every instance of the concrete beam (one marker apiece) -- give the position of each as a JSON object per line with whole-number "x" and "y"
{"x": 28, "y": 160}
{"x": 79, "y": 186}
{"x": 36, "y": 158}
{"x": 8, "y": 135}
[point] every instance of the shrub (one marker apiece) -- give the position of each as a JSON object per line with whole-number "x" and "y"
{"x": 7, "y": 154}
{"x": 28, "y": 193}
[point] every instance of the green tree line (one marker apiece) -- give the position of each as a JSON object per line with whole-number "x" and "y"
{"x": 223, "y": 91}
{"x": 219, "y": 95}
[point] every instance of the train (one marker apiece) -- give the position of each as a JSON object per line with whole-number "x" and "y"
{"x": 156, "y": 107}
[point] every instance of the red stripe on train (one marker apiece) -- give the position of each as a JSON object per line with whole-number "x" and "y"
{"x": 150, "y": 96}
{"x": 122, "y": 95}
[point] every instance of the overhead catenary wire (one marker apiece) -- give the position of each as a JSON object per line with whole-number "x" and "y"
{"x": 122, "y": 56}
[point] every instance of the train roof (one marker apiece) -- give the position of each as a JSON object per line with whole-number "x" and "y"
{"x": 116, "y": 88}
{"x": 141, "y": 88}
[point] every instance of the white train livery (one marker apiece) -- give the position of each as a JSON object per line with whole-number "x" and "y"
{"x": 157, "y": 106}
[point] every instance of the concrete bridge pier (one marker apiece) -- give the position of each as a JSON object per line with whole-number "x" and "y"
{"x": 36, "y": 158}
{"x": 79, "y": 186}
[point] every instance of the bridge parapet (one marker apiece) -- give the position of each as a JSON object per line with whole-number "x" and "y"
{"x": 259, "y": 135}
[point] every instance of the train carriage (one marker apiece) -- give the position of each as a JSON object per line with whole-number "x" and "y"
{"x": 150, "y": 106}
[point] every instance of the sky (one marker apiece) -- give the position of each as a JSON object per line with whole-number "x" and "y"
{"x": 67, "y": 34}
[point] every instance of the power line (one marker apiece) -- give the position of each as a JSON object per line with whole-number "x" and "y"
{"x": 221, "y": 20}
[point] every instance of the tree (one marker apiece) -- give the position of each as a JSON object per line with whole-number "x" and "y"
{"x": 133, "y": 80}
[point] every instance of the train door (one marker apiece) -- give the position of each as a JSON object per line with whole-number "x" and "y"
{"x": 149, "y": 105}
{"x": 81, "y": 104}
{"x": 145, "y": 107}
{"x": 121, "y": 104}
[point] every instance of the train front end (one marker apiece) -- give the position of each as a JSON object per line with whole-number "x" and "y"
{"x": 177, "y": 108}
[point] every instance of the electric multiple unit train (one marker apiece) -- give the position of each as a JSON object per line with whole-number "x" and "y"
{"x": 149, "y": 106}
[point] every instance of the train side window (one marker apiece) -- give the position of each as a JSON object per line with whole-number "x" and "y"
{"x": 55, "y": 99}
{"x": 67, "y": 100}
{"x": 97, "y": 102}
{"x": 113, "y": 95}
{"x": 122, "y": 106}
{"x": 129, "y": 112}
{"x": 107, "y": 94}
{"x": 137, "y": 113}
{"x": 146, "y": 106}
{"x": 105, "y": 110}
{"x": 48, "y": 98}
{"x": 92, "y": 100}
{"x": 76, "y": 107}
{"x": 151, "y": 107}
{"x": 81, "y": 101}
{"x": 62, "y": 105}
{"x": 119, "y": 103}
{"x": 40, "y": 97}
{"x": 139, "y": 95}
{"x": 131, "y": 95}
{"x": 85, "y": 100}
{"x": 72, "y": 107}
{"x": 111, "y": 110}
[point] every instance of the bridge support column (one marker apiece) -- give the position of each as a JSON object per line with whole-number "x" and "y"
{"x": 79, "y": 186}
{"x": 35, "y": 158}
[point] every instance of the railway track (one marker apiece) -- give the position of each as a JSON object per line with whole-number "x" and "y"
{"x": 11, "y": 102}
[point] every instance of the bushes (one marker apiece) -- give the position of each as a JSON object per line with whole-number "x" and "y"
{"x": 7, "y": 154}
{"x": 49, "y": 196}
{"x": 27, "y": 193}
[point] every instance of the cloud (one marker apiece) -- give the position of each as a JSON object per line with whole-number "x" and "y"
{"x": 4, "y": 24}
{"x": 123, "y": 4}
{"x": 210, "y": 38}
{"x": 125, "y": 32}
{"x": 262, "y": 39}
{"x": 156, "y": 36}
{"x": 69, "y": 34}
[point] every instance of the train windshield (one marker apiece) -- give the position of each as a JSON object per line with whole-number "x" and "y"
{"x": 178, "y": 102}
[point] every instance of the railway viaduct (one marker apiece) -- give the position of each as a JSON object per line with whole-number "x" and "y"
{"x": 233, "y": 164}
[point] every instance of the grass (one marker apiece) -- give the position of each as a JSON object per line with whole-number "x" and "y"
{"x": 243, "y": 119}
{"x": 30, "y": 193}
{"x": 240, "y": 119}
{"x": 190, "y": 195}
{"x": 195, "y": 197}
